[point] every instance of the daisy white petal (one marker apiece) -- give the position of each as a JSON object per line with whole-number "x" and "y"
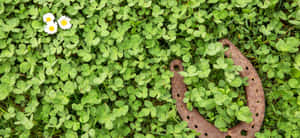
{"x": 51, "y": 28}
{"x": 64, "y": 22}
{"x": 48, "y": 17}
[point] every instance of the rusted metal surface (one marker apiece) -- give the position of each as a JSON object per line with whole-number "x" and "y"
{"x": 254, "y": 93}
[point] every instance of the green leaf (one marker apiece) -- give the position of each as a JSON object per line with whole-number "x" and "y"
{"x": 220, "y": 123}
{"x": 245, "y": 115}
{"x": 220, "y": 99}
{"x": 91, "y": 98}
{"x": 69, "y": 87}
{"x": 36, "y": 25}
{"x": 4, "y": 91}
{"x": 71, "y": 134}
{"x": 237, "y": 82}
{"x": 214, "y": 48}
{"x": 288, "y": 45}
{"x": 100, "y": 79}
{"x": 293, "y": 83}
{"x": 212, "y": 1}
{"x": 22, "y": 119}
{"x": 241, "y": 3}
{"x": 24, "y": 67}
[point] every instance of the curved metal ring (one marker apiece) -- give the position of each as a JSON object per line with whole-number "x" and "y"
{"x": 254, "y": 93}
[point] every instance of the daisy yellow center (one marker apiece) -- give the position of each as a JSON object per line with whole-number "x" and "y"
{"x": 51, "y": 28}
{"x": 48, "y": 19}
{"x": 63, "y": 22}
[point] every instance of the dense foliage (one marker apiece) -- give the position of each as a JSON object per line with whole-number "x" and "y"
{"x": 216, "y": 88}
{"x": 108, "y": 76}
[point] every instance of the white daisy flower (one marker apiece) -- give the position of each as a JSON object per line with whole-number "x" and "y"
{"x": 64, "y": 22}
{"x": 51, "y": 28}
{"x": 48, "y": 17}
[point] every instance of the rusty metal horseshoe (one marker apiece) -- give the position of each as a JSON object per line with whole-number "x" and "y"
{"x": 254, "y": 93}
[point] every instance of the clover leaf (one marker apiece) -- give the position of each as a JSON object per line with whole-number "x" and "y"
{"x": 214, "y": 48}
{"x": 288, "y": 45}
{"x": 245, "y": 115}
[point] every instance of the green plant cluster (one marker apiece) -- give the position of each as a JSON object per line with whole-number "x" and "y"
{"x": 216, "y": 88}
{"x": 108, "y": 76}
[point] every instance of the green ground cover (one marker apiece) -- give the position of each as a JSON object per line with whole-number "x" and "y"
{"x": 108, "y": 75}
